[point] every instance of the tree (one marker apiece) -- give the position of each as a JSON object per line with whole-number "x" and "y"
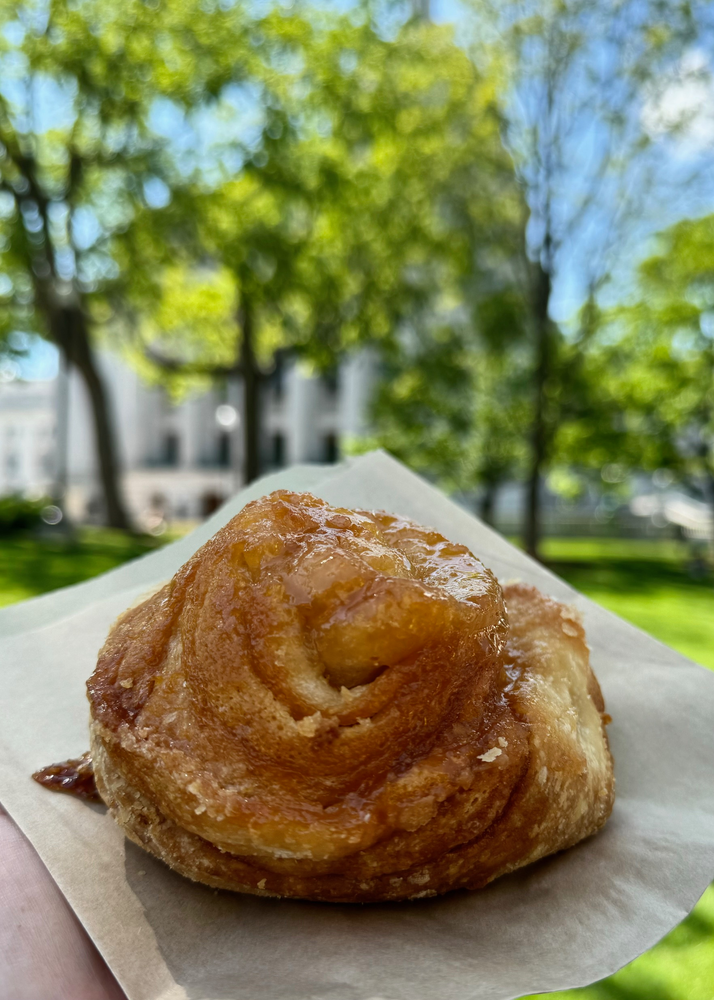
{"x": 580, "y": 77}
{"x": 496, "y": 447}
{"x": 455, "y": 410}
{"x": 355, "y": 206}
{"x": 660, "y": 355}
{"x": 84, "y": 165}
{"x": 423, "y": 405}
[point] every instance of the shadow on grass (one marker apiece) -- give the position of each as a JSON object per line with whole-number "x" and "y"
{"x": 30, "y": 565}
{"x": 629, "y": 576}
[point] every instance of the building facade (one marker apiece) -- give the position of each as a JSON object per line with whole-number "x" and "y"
{"x": 177, "y": 461}
{"x": 28, "y": 426}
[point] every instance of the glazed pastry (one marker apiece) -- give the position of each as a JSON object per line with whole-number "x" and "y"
{"x": 342, "y": 705}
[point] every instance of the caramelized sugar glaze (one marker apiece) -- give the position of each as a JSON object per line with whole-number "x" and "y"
{"x": 317, "y": 705}
{"x": 73, "y": 777}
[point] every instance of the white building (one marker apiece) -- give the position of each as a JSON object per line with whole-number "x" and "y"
{"x": 177, "y": 461}
{"x": 27, "y": 437}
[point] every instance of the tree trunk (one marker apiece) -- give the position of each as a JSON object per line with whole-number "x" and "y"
{"x": 539, "y": 431}
{"x": 251, "y": 397}
{"x": 710, "y": 483}
{"x": 488, "y": 502}
{"x": 708, "y": 419}
{"x": 62, "y": 437}
{"x": 67, "y": 327}
{"x": 69, "y": 330}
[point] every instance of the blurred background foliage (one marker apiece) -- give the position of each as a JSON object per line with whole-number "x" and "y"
{"x": 508, "y": 203}
{"x": 208, "y": 185}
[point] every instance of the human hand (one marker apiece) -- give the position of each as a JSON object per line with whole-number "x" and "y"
{"x": 45, "y": 953}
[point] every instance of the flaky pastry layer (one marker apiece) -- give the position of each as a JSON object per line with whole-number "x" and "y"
{"x": 335, "y": 705}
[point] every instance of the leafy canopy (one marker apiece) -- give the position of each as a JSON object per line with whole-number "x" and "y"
{"x": 374, "y": 165}
{"x": 660, "y": 352}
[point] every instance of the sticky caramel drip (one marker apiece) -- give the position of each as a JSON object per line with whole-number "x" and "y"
{"x": 75, "y": 777}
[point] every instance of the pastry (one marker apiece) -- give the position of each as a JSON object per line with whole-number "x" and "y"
{"x": 345, "y": 706}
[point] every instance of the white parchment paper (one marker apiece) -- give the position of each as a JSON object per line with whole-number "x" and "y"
{"x": 564, "y": 922}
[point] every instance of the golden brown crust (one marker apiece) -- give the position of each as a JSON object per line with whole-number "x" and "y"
{"x": 328, "y": 704}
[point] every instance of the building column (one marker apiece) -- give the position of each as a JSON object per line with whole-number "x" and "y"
{"x": 300, "y": 404}
{"x": 357, "y": 379}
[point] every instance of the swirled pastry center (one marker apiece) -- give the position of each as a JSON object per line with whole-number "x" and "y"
{"x": 311, "y": 682}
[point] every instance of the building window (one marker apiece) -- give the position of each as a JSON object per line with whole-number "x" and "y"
{"x": 277, "y": 379}
{"x": 223, "y": 451}
{"x": 210, "y": 502}
{"x": 158, "y": 502}
{"x": 93, "y": 508}
{"x": 330, "y": 380}
{"x": 170, "y": 450}
{"x": 331, "y": 448}
{"x": 277, "y": 457}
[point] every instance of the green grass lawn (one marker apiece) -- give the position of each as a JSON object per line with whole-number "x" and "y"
{"x": 30, "y": 566}
{"x": 645, "y": 582}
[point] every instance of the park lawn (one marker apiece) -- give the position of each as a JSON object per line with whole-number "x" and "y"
{"x": 644, "y": 582}
{"x": 30, "y": 566}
